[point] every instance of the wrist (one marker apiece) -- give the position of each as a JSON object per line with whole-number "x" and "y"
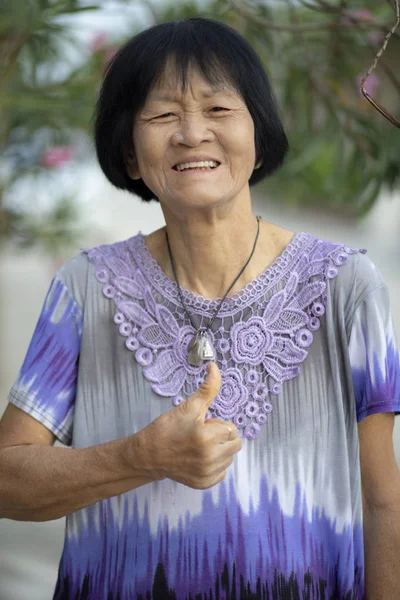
{"x": 119, "y": 460}
{"x": 147, "y": 453}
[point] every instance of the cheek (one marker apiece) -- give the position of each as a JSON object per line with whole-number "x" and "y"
{"x": 242, "y": 136}
{"x": 150, "y": 153}
{"x": 244, "y": 145}
{"x": 152, "y": 142}
{"x": 146, "y": 151}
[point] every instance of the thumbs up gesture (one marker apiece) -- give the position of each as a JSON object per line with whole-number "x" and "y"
{"x": 183, "y": 446}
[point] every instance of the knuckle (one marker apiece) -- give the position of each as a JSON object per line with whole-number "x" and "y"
{"x": 205, "y": 468}
{"x": 201, "y": 484}
{"x": 205, "y": 485}
{"x": 220, "y": 478}
{"x": 202, "y": 471}
{"x": 203, "y": 390}
{"x": 234, "y": 429}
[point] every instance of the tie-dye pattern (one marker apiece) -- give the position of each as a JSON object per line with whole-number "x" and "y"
{"x": 374, "y": 356}
{"x": 287, "y": 521}
{"x": 46, "y": 384}
{"x": 221, "y": 553}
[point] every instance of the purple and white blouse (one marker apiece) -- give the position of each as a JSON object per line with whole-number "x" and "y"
{"x": 306, "y": 351}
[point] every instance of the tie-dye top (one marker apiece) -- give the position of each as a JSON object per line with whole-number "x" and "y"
{"x": 306, "y": 351}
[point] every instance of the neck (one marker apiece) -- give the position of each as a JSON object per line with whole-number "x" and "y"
{"x": 209, "y": 253}
{"x": 201, "y": 263}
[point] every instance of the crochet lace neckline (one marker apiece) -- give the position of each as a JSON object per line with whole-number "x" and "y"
{"x": 256, "y": 286}
{"x": 261, "y": 336}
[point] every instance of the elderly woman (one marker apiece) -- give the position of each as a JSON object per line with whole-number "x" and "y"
{"x": 228, "y": 386}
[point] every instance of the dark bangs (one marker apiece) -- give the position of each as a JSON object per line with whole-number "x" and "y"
{"x": 222, "y": 55}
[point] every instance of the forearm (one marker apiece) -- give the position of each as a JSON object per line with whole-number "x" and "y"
{"x": 41, "y": 483}
{"x": 382, "y": 553}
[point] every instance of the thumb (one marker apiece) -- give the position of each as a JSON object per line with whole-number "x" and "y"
{"x": 200, "y": 401}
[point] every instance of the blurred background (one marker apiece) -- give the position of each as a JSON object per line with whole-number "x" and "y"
{"x": 341, "y": 180}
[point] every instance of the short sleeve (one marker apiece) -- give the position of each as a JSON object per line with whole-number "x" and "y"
{"x": 46, "y": 384}
{"x": 374, "y": 355}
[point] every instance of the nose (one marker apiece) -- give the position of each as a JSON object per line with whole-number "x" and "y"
{"x": 192, "y": 131}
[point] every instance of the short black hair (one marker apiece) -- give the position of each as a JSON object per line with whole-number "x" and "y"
{"x": 221, "y": 53}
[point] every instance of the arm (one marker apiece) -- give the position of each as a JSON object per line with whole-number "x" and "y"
{"x": 39, "y": 482}
{"x": 380, "y": 478}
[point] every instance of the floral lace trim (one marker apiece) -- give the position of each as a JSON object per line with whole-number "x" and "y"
{"x": 256, "y": 355}
{"x": 255, "y": 288}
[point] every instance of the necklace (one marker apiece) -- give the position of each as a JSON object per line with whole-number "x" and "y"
{"x": 201, "y": 348}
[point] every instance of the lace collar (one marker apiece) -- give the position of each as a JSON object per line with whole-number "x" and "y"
{"x": 262, "y": 334}
{"x": 257, "y": 286}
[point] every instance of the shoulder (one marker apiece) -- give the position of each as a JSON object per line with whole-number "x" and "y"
{"x": 73, "y": 276}
{"x": 349, "y": 274}
{"x": 77, "y": 273}
{"x": 359, "y": 276}
{"x": 348, "y": 267}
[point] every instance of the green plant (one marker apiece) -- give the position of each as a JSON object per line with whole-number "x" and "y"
{"x": 344, "y": 153}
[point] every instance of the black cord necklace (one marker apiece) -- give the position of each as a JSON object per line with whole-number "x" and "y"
{"x": 201, "y": 348}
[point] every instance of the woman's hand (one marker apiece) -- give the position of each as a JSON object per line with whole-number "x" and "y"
{"x": 182, "y": 446}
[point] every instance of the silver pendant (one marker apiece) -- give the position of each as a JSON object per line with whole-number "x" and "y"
{"x": 200, "y": 349}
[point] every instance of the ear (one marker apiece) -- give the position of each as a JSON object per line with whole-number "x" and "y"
{"x": 259, "y": 164}
{"x": 132, "y": 166}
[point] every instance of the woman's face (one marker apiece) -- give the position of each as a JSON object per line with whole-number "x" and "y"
{"x": 202, "y": 124}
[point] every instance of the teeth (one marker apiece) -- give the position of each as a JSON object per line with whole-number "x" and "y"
{"x": 205, "y": 163}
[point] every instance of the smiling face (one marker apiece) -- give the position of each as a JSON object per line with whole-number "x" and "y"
{"x": 204, "y": 123}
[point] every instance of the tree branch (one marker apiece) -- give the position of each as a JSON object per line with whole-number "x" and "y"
{"x": 313, "y": 6}
{"x": 354, "y": 22}
{"x": 10, "y": 47}
{"x": 329, "y": 26}
{"x": 378, "y": 106}
{"x": 326, "y": 93}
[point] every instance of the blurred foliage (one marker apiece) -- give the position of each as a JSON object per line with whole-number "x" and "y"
{"x": 343, "y": 152}
{"x": 54, "y": 230}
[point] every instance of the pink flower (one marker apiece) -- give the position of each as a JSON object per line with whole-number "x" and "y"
{"x": 376, "y": 37}
{"x": 361, "y": 14}
{"x": 98, "y": 41}
{"x": 57, "y": 156}
{"x": 371, "y": 85}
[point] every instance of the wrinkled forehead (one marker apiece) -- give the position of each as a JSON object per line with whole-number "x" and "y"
{"x": 174, "y": 79}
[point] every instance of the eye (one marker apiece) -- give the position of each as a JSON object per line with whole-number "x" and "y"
{"x": 164, "y": 115}
{"x": 218, "y": 108}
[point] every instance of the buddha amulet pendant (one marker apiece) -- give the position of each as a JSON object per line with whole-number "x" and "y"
{"x": 200, "y": 349}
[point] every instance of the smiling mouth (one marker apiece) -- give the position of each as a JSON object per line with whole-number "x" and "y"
{"x": 189, "y": 169}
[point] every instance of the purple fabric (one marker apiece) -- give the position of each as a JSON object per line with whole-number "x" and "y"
{"x": 46, "y": 384}
{"x": 222, "y": 548}
{"x": 259, "y": 351}
{"x": 373, "y": 353}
